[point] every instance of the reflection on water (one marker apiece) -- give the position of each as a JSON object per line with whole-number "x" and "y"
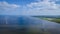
{"x": 27, "y": 25}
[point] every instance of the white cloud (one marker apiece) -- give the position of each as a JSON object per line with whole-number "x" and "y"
{"x": 44, "y": 7}
{"x": 6, "y": 8}
{"x": 7, "y": 5}
{"x": 45, "y": 4}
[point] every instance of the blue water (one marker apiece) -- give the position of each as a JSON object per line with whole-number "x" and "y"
{"x": 27, "y": 24}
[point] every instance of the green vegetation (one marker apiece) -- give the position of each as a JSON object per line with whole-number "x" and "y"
{"x": 52, "y": 19}
{"x": 57, "y": 20}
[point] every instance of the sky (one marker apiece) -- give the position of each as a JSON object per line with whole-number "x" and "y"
{"x": 29, "y": 7}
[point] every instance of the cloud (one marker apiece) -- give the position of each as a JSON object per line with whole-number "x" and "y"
{"x": 6, "y": 8}
{"x": 6, "y": 5}
{"x": 45, "y": 7}
{"x": 45, "y": 4}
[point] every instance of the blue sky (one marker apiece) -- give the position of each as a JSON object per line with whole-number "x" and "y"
{"x": 29, "y": 7}
{"x": 20, "y": 2}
